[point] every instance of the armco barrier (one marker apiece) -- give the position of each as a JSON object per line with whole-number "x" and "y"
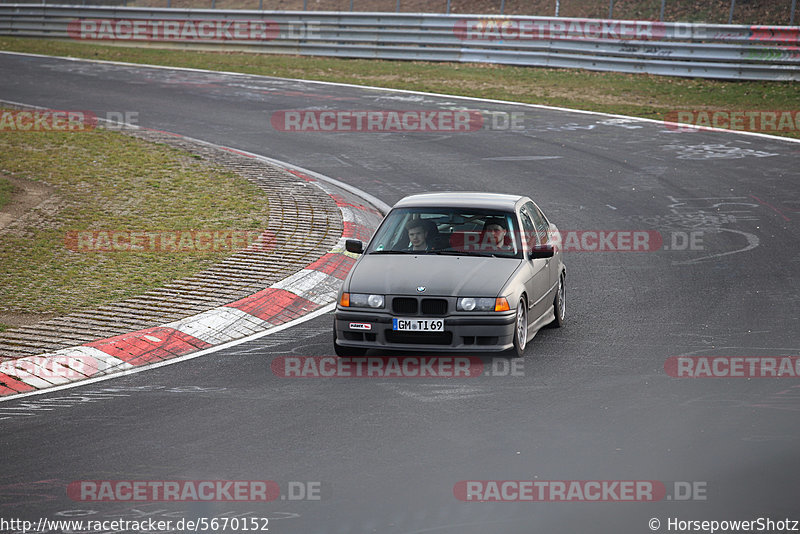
{"x": 677, "y": 49}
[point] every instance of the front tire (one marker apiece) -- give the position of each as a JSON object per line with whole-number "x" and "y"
{"x": 521, "y": 329}
{"x": 560, "y": 304}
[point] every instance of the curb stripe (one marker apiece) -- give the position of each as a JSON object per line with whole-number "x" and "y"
{"x": 219, "y": 325}
{"x": 301, "y": 175}
{"x": 276, "y": 306}
{"x": 32, "y": 366}
{"x": 316, "y": 286}
{"x": 333, "y": 264}
{"x": 344, "y": 203}
{"x": 149, "y": 345}
{"x": 356, "y": 231}
{"x": 10, "y": 385}
{"x": 90, "y": 361}
{"x": 24, "y": 376}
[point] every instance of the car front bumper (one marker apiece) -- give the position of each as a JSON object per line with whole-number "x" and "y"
{"x": 479, "y": 332}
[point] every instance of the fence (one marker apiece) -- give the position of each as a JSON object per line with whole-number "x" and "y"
{"x": 764, "y": 12}
{"x": 675, "y": 49}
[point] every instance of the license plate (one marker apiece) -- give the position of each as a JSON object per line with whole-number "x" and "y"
{"x": 418, "y": 325}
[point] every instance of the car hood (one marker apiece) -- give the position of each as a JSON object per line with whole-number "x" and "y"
{"x": 401, "y": 274}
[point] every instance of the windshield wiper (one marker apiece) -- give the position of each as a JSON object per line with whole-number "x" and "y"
{"x": 447, "y": 252}
{"x": 442, "y": 253}
{"x": 463, "y": 253}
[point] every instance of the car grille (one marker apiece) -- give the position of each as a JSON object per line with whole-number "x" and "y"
{"x": 434, "y": 306}
{"x": 413, "y": 306}
{"x": 405, "y": 305}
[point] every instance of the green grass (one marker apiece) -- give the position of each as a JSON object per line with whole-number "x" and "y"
{"x": 639, "y": 95}
{"x": 109, "y": 181}
{"x": 6, "y": 191}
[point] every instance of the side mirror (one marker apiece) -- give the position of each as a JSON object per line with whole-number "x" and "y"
{"x": 355, "y": 246}
{"x": 542, "y": 251}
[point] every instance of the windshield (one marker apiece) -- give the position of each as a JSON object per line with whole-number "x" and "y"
{"x": 456, "y": 231}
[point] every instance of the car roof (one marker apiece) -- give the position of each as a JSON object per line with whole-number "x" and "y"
{"x": 461, "y": 199}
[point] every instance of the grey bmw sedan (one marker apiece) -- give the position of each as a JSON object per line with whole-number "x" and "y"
{"x": 472, "y": 272}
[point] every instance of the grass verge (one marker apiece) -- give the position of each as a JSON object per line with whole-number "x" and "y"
{"x": 6, "y": 191}
{"x": 104, "y": 180}
{"x": 639, "y": 95}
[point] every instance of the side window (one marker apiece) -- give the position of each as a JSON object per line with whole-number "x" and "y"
{"x": 541, "y": 217}
{"x": 528, "y": 229}
{"x": 539, "y": 222}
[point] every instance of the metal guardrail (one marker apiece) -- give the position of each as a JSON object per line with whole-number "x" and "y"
{"x": 676, "y": 49}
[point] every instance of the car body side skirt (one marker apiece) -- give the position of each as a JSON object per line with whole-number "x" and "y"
{"x": 549, "y": 293}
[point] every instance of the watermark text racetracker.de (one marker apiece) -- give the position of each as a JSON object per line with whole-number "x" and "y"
{"x": 189, "y": 30}
{"x": 379, "y": 121}
{"x": 393, "y": 366}
{"x": 535, "y": 29}
{"x": 209, "y": 240}
{"x": 625, "y": 240}
{"x": 54, "y": 367}
{"x": 47, "y": 121}
{"x": 578, "y": 491}
{"x": 766, "y": 121}
{"x": 591, "y": 240}
{"x": 733, "y": 366}
{"x": 503, "y": 28}
{"x": 146, "y": 491}
{"x": 52, "y": 120}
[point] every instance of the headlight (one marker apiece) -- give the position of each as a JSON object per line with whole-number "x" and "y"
{"x": 361, "y": 300}
{"x": 475, "y": 304}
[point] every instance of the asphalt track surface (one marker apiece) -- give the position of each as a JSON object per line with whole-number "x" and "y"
{"x": 593, "y": 400}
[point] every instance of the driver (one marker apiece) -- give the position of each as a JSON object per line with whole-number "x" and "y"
{"x": 417, "y": 236}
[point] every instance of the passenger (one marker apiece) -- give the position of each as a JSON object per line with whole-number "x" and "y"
{"x": 494, "y": 235}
